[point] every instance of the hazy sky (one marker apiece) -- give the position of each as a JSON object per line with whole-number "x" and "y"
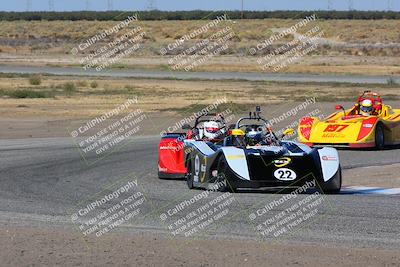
{"x": 58, "y": 5}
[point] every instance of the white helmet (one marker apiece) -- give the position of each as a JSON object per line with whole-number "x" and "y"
{"x": 366, "y": 107}
{"x": 213, "y": 130}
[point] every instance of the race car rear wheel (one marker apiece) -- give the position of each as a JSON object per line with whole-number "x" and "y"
{"x": 379, "y": 137}
{"x": 334, "y": 185}
{"x": 223, "y": 183}
{"x": 189, "y": 175}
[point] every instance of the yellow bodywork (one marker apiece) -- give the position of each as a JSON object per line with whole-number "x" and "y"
{"x": 348, "y": 128}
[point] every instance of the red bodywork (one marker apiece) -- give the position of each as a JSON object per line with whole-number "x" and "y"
{"x": 171, "y": 162}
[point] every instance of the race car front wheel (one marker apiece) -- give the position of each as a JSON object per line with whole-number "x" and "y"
{"x": 334, "y": 185}
{"x": 379, "y": 137}
{"x": 223, "y": 184}
{"x": 189, "y": 175}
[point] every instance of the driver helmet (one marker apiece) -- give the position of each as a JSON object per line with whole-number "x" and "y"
{"x": 254, "y": 136}
{"x": 366, "y": 107}
{"x": 213, "y": 130}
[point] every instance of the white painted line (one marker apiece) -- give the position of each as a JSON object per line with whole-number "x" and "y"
{"x": 370, "y": 190}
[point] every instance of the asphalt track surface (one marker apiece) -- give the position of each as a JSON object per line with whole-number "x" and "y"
{"x": 43, "y": 180}
{"x": 360, "y": 79}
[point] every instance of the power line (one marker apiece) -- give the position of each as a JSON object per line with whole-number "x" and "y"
{"x": 241, "y": 14}
{"x": 28, "y": 5}
{"x": 51, "y": 5}
{"x": 351, "y": 5}
{"x": 390, "y": 5}
{"x": 329, "y": 4}
{"x": 110, "y": 5}
{"x": 151, "y": 5}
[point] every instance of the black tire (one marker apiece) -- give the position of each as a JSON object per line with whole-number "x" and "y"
{"x": 334, "y": 185}
{"x": 379, "y": 137}
{"x": 222, "y": 172}
{"x": 189, "y": 175}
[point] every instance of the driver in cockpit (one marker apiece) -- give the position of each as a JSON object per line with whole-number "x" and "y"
{"x": 261, "y": 136}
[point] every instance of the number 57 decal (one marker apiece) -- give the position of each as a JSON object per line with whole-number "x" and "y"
{"x": 335, "y": 128}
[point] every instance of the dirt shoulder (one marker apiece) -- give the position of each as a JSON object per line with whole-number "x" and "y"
{"x": 29, "y": 246}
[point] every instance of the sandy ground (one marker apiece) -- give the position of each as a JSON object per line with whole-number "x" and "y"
{"x": 61, "y": 246}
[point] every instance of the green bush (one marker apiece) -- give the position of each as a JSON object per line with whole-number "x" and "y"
{"x": 35, "y": 80}
{"x": 69, "y": 88}
{"x": 26, "y": 94}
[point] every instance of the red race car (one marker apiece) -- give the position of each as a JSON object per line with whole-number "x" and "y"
{"x": 171, "y": 162}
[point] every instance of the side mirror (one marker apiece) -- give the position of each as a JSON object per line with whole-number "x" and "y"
{"x": 231, "y": 126}
{"x": 186, "y": 127}
{"x": 287, "y": 132}
{"x": 339, "y": 107}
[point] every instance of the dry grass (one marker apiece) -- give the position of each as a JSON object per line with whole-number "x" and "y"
{"x": 163, "y": 96}
{"x": 351, "y": 31}
{"x": 360, "y": 52}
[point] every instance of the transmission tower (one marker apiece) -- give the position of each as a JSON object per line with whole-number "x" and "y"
{"x": 151, "y": 5}
{"x": 110, "y": 5}
{"x": 87, "y": 7}
{"x": 351, "y": 5}
{"x": 28, "y": 5}
{"x": 51, "y": 5}
{"x": 242, "y": 13}
{"x": 329, "y": 4}
{"x": 390, "y": 5}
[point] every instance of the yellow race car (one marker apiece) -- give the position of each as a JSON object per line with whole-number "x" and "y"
{"x": 368, "y": 124}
